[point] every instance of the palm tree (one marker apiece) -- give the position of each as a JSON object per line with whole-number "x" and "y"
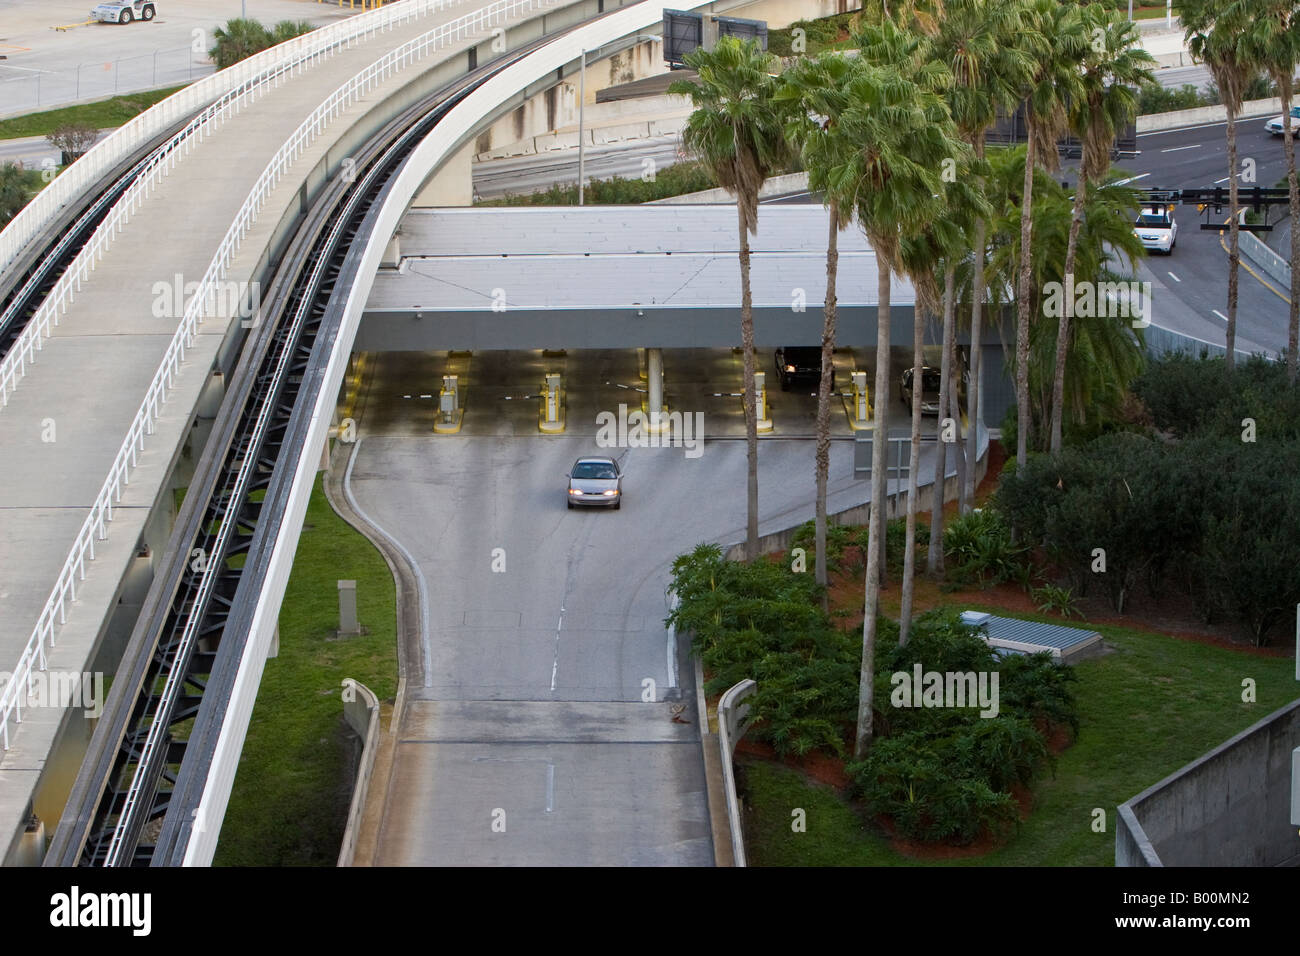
{"x": 1273, "y": 40}
{"x": 13, "y": 191}
{"x": 1114, "y": 66}
{"x": 964, "y": 205}
{"x": 737, "y": 131}
{"x": 898, "y": 133}
{"x": 920, "y": 255}
{"x": 288, "y": 29}
{"x": 815, "y": 93}
{"x": 238, "y": 40}
{"x": 1214, "y": 30}
{"x": 1053, "y": 36}
{"x": 976, "y": 39}
{"x": 1105, "y": 355}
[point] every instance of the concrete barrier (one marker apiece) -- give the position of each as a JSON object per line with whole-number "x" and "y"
{"x": 1231, "y": 807}
{"x": 774, "y": 186}
{"x": 361, "y": 711}
{"x": 732, "y": 723}
{"x": 1204, "y": 115}
{"x": 896, "y": 506}
{"x": 1254, "y": 249}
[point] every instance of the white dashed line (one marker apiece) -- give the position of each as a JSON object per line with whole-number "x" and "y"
{"x": 1174, "y": 277}
{"x": 1220, "y": 314}
{"x": 1177, "y": 148}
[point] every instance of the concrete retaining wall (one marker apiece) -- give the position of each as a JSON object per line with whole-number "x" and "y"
{"x": 362, "y": 714}
{"x": 1254, "y": 249}
{"x": 1204, "y": 115}
{"x": 896, "y": 506}
{"x": 1229, "y": 808}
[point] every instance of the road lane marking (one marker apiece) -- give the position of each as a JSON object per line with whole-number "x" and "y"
{"x": 555, "y": 664}
{"x": 550, "y": 787}
{"x": 1241, "y": 261}
{"x": 1177, "y": 148}
{"x": 1220, "y": 314}
{"x": 1174, "y": 277}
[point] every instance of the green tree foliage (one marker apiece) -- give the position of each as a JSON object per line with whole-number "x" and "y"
{"x": 16, "y": 187}
{"x": 240, "y": 39}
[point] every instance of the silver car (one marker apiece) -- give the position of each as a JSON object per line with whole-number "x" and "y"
{"x": 595, "y": 481}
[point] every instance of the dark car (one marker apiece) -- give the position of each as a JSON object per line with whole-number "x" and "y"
{"x": 800, "y": 364}
{"x": 930, "y": 381}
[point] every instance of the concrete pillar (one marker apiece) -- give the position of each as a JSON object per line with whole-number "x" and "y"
{"x": 392, "y": 252}
{"x": 452, "y": 184}
{"x": 655, "y": 389}
{"x": 214, "y": 392}
{"x": 348, "y": 623}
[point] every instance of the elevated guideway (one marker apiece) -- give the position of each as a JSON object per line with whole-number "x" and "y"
{"x": 124, "y": 357}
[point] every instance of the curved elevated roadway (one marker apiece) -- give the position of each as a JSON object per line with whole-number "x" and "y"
{"x": 80, "y": 388}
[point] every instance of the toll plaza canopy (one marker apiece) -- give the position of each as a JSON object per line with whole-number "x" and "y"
{"x": 619, "y": 276}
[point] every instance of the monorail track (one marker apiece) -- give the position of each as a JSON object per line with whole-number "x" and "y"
{"x": 29, "y": 280}
{"x": 135, "y": 798}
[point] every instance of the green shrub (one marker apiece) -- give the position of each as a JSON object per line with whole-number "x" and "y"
{"x": 1154, "y": 98}
{"x": 1036, "y": 686}
{"x": 978, "y": 545}
{"x": 918, "y": 783}
{"x": 1051, "y": 599}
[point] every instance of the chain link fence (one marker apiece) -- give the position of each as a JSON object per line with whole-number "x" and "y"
{"x": 32, "y": 90}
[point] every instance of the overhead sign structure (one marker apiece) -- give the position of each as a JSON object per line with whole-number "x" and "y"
{"x": 683, "y": 32}
{"x": 745, "y": 29}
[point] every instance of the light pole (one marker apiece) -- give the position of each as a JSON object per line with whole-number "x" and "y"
{"x": 582, "y": 99}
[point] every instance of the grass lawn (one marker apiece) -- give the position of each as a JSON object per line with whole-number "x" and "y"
{"x": 102, "y": 115}
{"x": 291, "y": 794}
{"x": 1155, "y": 704}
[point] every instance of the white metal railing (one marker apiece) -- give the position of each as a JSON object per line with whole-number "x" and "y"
{"x": 110, "y": 151}
{"x": 23, "y": 351}
{"x": 95, "y": 527}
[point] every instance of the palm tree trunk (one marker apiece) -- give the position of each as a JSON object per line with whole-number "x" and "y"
{"x": 954, "y": 410}
{"x": 824, "y": 391}
{"x": 1234, "y": 254}
{"x": 751, "y": 412}
{"x": 1024, "y": 417}
{"x": 934, "y": 556}
{"x": 971, "y": 449}
{"x": 913, "y": 465}
{"x": 1067, "y": 310}
{"x": 1288, "y": 145}
{"x": 879, "y": 438}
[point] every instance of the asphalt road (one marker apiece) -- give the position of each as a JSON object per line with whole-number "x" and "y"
{"x": 547, "y": 689}
{"x": 43, "y": 67}
{"x": 526, "y": 174}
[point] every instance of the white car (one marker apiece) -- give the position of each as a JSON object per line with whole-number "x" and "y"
{"x": 124, "y": 11}
{"x": 1274, "y": 125}
{"x": 1156, "y": 228}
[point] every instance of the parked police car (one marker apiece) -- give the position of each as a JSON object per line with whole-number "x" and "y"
{"x": 124, "y": 11}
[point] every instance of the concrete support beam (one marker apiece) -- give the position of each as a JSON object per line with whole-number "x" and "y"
{"x": 451, "y": 185}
